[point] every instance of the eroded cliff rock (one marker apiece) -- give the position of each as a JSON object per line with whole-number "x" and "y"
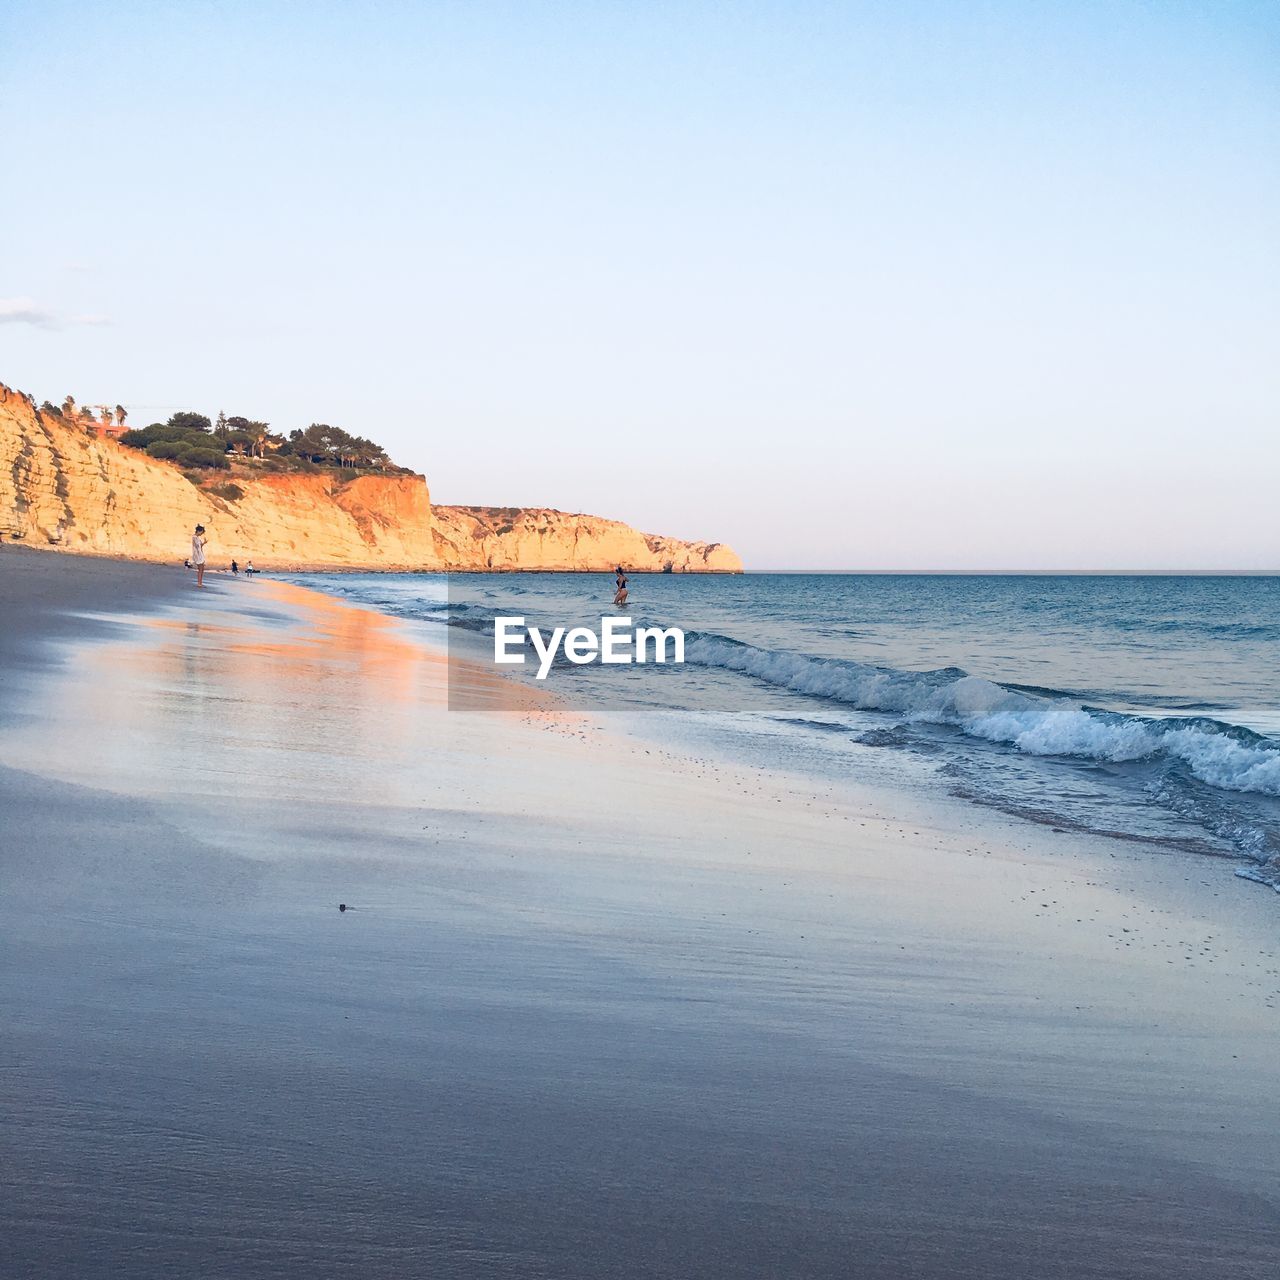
{"x": 539, "y": 538}
{"x": 62, "y": 487}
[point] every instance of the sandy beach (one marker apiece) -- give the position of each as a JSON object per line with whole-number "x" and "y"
{"x": 596, "y": 1009}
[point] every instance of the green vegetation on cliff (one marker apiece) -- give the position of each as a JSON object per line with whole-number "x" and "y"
{"x": 192, "y": 440}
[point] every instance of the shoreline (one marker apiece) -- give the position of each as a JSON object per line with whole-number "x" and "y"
{"x": 320, "y": 567}
{"x": 788, "y": 1026}
{"x": 313, "y": 567}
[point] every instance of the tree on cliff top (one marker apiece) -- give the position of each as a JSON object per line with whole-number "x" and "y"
{"x": 168, "y": 432}
{"x": 188, "y": 420}
{"x": 246, "y": 435}
{"x": 322, "y": 443}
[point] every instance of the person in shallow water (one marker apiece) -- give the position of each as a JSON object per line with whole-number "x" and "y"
{"x": 197, "y": 553}
{"x": 620, "y": 595}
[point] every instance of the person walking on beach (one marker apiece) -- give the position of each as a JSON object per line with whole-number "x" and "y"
{"x": 620, "y": 595}
{"x": 197, "y": 553}
{"x": 235, "y": 568}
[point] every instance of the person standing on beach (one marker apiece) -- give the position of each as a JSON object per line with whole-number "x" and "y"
{"x": 197, "y": 553}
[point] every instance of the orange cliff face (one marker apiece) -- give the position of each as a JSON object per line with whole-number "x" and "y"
{"x": 63, "y": 487}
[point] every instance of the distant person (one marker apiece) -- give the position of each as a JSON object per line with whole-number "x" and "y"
{"x": 197, "y": 553}
{"x": 620, "y": 595}
{"x": 248, "y": 568}
{"x": 235, "y": 568}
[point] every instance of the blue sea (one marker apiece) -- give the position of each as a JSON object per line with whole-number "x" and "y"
{"x": 1141, "y": 707}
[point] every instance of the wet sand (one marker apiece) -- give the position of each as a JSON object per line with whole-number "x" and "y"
{"x": 595, "y": 1010}
{"x": 49, "y": 595}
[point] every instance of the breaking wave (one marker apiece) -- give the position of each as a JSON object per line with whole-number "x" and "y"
{"x": 1220, "y": 755}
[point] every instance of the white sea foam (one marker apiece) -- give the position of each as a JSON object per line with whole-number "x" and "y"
{"x": 984, "y": 709}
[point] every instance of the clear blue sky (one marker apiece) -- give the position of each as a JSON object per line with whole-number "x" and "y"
{"x": 846, "y": 285}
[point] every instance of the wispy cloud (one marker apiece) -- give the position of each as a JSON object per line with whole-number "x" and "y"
{"x": 24, "y": 311}
{"x": 27, "y": 311}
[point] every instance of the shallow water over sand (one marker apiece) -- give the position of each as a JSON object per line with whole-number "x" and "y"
{"x": 1145, "y": 708}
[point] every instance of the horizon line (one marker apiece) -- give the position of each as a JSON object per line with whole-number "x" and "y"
{"x": 1037, "y": 573}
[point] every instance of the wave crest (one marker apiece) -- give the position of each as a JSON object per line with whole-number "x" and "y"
{"x": 1220, "y": 755}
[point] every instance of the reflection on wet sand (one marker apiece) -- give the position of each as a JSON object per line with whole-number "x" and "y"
{"x": 313, "y": 697}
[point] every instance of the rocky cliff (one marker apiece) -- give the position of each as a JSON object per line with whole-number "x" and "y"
{"x": 62, "y": 487}
{"x": 539, "y": 538}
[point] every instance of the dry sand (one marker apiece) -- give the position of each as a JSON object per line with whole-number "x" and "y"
{"x": 597, "y": 1010}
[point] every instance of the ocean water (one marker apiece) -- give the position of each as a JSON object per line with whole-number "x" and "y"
{"x": 1143, "y": 707}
